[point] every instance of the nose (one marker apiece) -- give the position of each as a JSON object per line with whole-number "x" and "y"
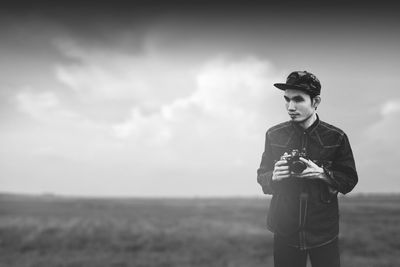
{"x": 291, "y": 106}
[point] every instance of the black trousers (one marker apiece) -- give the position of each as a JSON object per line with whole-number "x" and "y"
{"x": 323, "y": 256}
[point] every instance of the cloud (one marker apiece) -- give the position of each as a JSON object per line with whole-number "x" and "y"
{"x": 146, "y": 80}
{"x": 390, "y": 107}
{"x": 214, "y": 135}
{"x": 36, "y": 104}
{"x": 227, "y": 93}
{"x": 377, "y": 153}
{"x": 179, "y": 123}
{"x": 42, "y": 106}
{"x": 385, "y": 130}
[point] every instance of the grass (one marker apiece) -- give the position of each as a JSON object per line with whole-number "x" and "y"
{"x": 55, "y": 231}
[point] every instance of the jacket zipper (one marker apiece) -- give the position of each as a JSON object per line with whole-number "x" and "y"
{"x": 302, "y": 220}
{"x": 303, "y": 204}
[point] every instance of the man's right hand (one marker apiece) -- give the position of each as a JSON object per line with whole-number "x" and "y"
{"x": 281, "y": 170}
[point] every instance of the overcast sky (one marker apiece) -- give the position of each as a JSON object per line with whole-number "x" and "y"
{"x": 174, "y": 99}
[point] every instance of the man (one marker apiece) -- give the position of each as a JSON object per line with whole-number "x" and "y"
{"x": 306, "y": 162}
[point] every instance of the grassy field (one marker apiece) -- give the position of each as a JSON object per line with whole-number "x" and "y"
{"x": 46, "y": 231}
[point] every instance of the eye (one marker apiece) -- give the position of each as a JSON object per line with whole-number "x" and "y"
{"x": 298, "y": 99}
{"x": 286, "y": 98}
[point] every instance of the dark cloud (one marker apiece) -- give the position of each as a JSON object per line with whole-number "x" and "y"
{"x": 84, "y": 14}
{"x": 105, "y": 23}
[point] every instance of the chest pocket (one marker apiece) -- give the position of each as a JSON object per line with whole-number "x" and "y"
{"x": 280, "y": 145}
{"x": 329, "y": 147}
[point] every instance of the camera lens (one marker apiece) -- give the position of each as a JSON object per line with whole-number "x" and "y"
{"x": 298, "y": 167}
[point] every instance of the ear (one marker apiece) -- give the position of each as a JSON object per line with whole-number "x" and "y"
{"x": 316, "y": 101}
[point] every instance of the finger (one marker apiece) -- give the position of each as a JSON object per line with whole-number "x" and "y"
{"x": 280, "y": 177}
{"x": 309, "y": 163}
{"x": 281, "y": 162}
{"x": 284, "y": 172}
{"x": 308, "y": 175}
{"x": 306, "y": 161}
{"x": 281, "y": 168}
{"x": 308, "y": 171}
{"x": 281, "y": 174}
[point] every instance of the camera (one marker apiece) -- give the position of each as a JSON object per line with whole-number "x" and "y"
{"x": 293, "y": 160}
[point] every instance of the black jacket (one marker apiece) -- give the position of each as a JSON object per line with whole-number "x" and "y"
{"x": 304, "y": 212}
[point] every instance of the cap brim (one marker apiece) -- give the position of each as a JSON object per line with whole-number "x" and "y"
{"x": 284, "y": 86}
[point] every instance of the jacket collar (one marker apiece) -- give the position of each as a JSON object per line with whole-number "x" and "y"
{"x": 309, "y": 130}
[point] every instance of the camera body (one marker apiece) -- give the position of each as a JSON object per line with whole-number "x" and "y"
{"x": 293, "y": 161}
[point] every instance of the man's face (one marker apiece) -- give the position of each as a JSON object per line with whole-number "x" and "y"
{"x": 299, "y": 105}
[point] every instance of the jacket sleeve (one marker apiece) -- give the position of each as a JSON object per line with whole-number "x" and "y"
{"x": 342, "y": 174}
{"x": 264, "y": 173}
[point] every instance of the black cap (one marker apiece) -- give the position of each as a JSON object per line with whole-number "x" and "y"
{"x": 301, "y": 80}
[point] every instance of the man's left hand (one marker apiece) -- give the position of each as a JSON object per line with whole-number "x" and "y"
{"x": 313, "y": 171}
